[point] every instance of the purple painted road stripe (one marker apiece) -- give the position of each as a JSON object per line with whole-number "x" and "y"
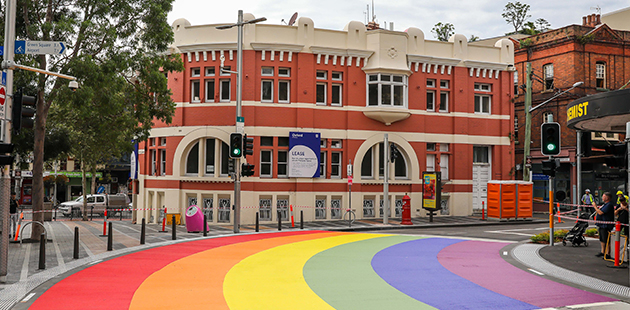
{"x": 481, "y": 263}
{"x": 412, "y": 268}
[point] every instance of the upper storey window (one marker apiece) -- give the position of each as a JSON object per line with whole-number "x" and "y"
{"x": 548, "y": 73}
{"x": 600, "y": 74}
{"x": 387, "y": 90}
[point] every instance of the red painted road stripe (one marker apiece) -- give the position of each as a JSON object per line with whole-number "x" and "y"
{"x": 111, "y": 284}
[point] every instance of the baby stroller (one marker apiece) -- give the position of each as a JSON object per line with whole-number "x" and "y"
{"x": 576, "y": 234}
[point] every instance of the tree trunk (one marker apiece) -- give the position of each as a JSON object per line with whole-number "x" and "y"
{"x": 38, "y": 164}
{"x": 83, "y": 187}
{"x": 93, "y": 185}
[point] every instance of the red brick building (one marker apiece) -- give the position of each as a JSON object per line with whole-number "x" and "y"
{"x": 445, "y": 105}
{"x": 592, "y": 53}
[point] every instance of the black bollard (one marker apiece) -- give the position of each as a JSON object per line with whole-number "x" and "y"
{"x": 110, "y": 238}
{"x": 174, "y": 228}
{"x": 143, "y": 231}
{"x": 279, "y": 221}
{"x": 205, "y": 225}
{"x": 91, "y": 212}
{"x": 42, "y": 251}
{"x": 76, "y": 243}
{"x": 257, "y": 223}
{"x": 121, "y": 214}
{"x": 301, "y": 219}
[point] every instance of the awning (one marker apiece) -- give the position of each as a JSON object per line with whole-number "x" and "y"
{"x": 603, "y": 112}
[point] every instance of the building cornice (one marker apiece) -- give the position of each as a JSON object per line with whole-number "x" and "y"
{"x": 277, "y": 47}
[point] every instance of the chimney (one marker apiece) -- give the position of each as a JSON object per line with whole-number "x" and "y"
{"x": 372, "y": 25}
{"x": 583, "y": 20}
{"x": 591, "y": 20}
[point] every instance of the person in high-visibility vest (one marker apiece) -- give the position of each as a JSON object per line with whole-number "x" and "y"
{"x": 588, "y": 199}
{"x": 619, "y": 195}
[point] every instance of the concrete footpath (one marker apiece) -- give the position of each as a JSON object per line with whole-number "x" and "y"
{"x": 24, "y": 273}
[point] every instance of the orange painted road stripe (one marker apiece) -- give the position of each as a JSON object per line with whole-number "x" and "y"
{"x": 196, "y": 281}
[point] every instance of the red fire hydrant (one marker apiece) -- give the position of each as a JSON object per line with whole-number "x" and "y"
{"x": 406, "y": 211}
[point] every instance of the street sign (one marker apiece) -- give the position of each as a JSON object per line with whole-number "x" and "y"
{"x": 240, "y": 124}
{"x": 4, "y": 78}
{"x": 349, "y": 180}
{"x": 37, "y": 48}
{"x": 349, "y": 169}
{"x": 3, "y": 97}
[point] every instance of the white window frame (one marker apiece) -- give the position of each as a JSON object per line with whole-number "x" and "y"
{"x": 162, "y": 161}
{"x": 339, "y": 76}
{"x": 270, "y": 163}
{"x": 263, "y": 73}
{"x": 210, "y": 71}
{"x": 262, "y": 88}
{"x": 483, "y": 87}
{"x": 548, "y": 75}
{"x": 287, "y": 74}
{"x": 153, "y": 155}
{"x": 340, "y": 103}
{"x": 324, "y": 77}
{"x": 444, "y": 159}
{"x": 208, "y": 99}
{"x": 285, "y": 163}
{"x": 336, "y": 144}
{"x": 195, "y": 72}
{"x": 371, "y": 176}
{"x": 322, "y": 164}
{"x": 430, "y": 83}
{"x": 195, "y": 87}
{"x": 224, "y": 71}
{"x": 380, "y": 83}
{"x": 430, "y": 162}
{"x": 481, "y": 97}
{"x": 600, "y": 73}
{"x": 431, "y": 105}
{"x": 229, "y": 95}
{"x": 446, "y": 84}
{"x": 288, "y": 82}
{"x": 443, "y": 105}
{"x": 325, "y": 93}
{"x": 339, "y": 164}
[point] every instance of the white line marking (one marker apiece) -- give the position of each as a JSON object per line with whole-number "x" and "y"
{"x": 505, "y": 253}
{"x": 27, "y": 258}
{"x": 508, "y": 233}
{"x": 596, "y": 304}
{"x": 95, "y": 262}
{"x": 536, "y": 272}
{"x": 29, "y": 296}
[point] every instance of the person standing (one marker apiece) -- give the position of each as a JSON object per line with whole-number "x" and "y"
{"x": 622, "y": 215}
{"x": 621, "y": 195}
{"x": 588, "y": 200}
{"x": 13, "y": 207}
{"x": 605, "y": 213}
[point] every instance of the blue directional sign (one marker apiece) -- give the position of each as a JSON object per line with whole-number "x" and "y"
{"x": 4, "y": 78}
{"x": 37, "y": 48}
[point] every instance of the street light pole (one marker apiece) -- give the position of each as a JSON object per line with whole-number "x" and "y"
{"x": 239, "y": 80}
{"x": 528, "y": 120}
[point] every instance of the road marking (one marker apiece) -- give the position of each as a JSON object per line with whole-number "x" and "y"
{"x": 536, "y": 272}
{"x": 505, "y": 253}
{"x": 95, "y": 262}
{"x": 508, "y": 233}
{"x": 60, "y": 261}
{"x": 29, "y": 296}
{"x": 596, "y": 304}
{"x": 27, "y": 258}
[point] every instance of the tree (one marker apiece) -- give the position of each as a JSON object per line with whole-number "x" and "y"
{"x": 473, "y": 38}
{"x": 129, "y": 37}
{"x": 443, "y": 32}
{"x": 516, "y": 14}
{"x": 542, "y": 25}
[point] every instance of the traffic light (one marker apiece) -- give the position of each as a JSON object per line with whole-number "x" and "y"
{"x": 247, "y": 170}
{"x": 248, "y": 145}
{"x": 236, "y": 145}
{"x": 6, "y": 148}
{"x": 549, "y": 167}
{"x": 230, "y": 166}
{"x": 550, "y": 139}
{"x": 394, "y": 152}
{"x": 23, "y": 111}
{"x": 618, "y": 158}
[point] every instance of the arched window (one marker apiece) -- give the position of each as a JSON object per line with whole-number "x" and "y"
{"x": 373, "y": 161}
{"x": 192, "y": 160}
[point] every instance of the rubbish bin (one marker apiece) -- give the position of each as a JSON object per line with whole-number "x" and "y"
{"x": 194, "y": 219}
{"x": 48, "y": 212}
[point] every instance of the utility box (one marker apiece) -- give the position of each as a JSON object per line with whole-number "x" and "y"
{"x": 510, "y": 199}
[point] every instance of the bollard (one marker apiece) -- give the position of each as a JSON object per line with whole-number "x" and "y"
{"x": 617, "y": 237}
{"x": 301, "y": 219}
{"x": 17, "y": 232}
{"x": 110, "y": 238}
{"x": 42, "y": 251}
{"x": 257, "y": 223}
{"x": 174, "y": 227}
{"x": 205, "y": 225}
{"x": 292, "y": 222}
{"x": 279, "y": 221}
{"x": 483, "y": 210}
{"x": 105, "y": 224}
{"x": 559, "y": 219}
{"x": 121, "y": 214}
{"x": 76, "y": 243}
{"x": 91, "y": 212}
{"x": 143, "y": 232}
{"x": 164, "y": 221}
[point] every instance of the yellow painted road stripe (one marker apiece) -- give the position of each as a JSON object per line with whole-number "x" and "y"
{"x": 273, "y": 279}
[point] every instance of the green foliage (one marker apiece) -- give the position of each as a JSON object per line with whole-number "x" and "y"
{"x": 516, "y": 14}
{"x": 591, "y": 232}
{"x": 525, "y": 43}
{"x": 544, "y": 236}
{"x": 585, "y": 39}
{"x": 443, "y": 32}
{"x": 473, "y": 38}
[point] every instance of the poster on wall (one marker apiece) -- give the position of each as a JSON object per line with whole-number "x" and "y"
{"x": 133, "y": 171}
{"x": 304, "y": 152}
{"x": 431, "y": 190}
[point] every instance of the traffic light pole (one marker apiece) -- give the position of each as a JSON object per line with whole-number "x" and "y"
{"x": 5, "y": 183}
{"x": 551, "y": 179}
{"x": 385, "y": 179}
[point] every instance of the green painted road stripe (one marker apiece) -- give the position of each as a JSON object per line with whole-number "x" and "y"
{"x": 343, "y": 277}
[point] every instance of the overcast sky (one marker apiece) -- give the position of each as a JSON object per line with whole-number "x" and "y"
{"x": 479, "y": 17}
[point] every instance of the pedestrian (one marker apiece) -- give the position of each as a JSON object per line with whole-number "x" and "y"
{"x": 13, "y": 207}
{"x": 622, "y": 215}
{"x": 621, "y": 195}
{"x": 588, "y": 199}
{"x": 605, "y": 213}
